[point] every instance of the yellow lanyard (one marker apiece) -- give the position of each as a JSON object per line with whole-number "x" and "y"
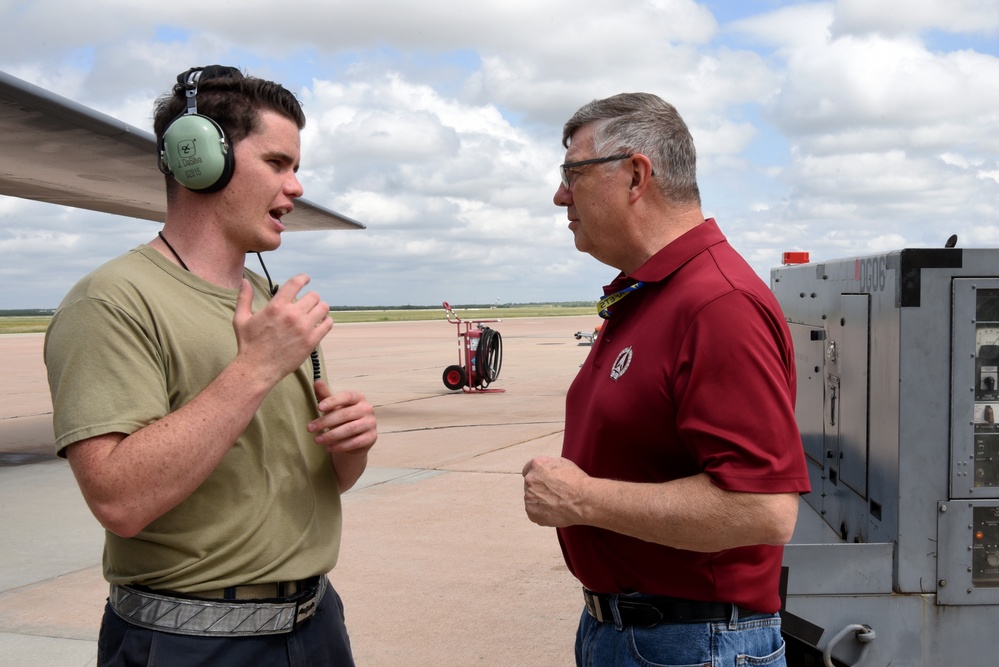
{"x": 603, "y": 306}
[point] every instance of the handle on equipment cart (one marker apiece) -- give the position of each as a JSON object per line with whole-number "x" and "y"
{"x": 448, "y": 313}
{"x": 863, "y": 634}
{"x": 457, "y": 320}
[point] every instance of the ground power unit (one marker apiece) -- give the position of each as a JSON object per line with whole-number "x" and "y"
{"x": 895, "y": 558}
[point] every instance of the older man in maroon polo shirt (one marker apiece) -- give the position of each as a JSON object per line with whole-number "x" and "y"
{"x": 682, "y": 463}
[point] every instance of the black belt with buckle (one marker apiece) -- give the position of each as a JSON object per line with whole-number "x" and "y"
{"x": 650, "y": 610}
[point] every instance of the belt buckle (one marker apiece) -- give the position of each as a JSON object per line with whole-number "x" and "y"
{"x": 593, "y": 606}
{"x": 305, "y": 609}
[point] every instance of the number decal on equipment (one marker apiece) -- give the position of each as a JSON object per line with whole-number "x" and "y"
{"x": 871, "y": 273}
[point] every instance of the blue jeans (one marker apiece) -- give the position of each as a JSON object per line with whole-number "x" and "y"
{"x": 750, "y": 641}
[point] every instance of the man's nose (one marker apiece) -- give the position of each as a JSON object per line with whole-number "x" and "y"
{"x": 563, "y": 196}
{"x": 293, "y": 188}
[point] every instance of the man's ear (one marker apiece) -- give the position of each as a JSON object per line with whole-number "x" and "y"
{"x": 642, "y": 175}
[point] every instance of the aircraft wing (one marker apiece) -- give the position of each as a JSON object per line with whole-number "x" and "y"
{"x": 55, "y": 150}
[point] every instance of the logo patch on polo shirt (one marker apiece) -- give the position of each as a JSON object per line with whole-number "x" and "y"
{"x": 621, "y": 364}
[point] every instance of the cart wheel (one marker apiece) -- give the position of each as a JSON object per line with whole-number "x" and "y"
{"x": 455, "y": 377}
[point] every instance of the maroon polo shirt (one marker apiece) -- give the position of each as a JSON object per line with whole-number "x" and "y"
{"x": 692, "y": 372}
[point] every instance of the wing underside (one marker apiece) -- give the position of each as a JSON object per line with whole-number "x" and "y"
{"x": 55, "y": 150}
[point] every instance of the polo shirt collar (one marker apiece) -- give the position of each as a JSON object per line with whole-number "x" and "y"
{"x": 669, "y": 260}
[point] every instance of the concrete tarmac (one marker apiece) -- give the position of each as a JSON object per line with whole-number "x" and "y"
{"x": 439, "y": 563}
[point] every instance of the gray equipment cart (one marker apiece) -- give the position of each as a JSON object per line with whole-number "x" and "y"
{"x": 895, "y": 559}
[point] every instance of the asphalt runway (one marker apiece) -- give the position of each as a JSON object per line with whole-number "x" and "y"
{"x": 439, "y": 564}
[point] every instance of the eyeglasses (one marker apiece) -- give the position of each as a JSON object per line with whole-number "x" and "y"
{"x": 564, "y": 168}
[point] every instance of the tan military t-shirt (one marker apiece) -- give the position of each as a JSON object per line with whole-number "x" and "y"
{"x": 138, "y": 338}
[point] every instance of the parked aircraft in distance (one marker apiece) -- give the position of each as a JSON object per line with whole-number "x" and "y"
{"x": 58, "y": 151}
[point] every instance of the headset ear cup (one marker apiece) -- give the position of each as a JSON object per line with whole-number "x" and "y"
{"x": 194, "y": 150}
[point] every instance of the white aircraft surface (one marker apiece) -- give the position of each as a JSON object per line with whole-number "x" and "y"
{"x": 55, "y": 150}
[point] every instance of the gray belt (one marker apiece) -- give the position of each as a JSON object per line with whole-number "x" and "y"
{"x": 214, "y": 618}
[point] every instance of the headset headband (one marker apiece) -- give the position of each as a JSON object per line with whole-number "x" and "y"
{"x": 191, "y": 90}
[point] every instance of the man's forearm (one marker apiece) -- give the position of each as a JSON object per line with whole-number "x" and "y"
{"x": 128, "y": 481}
{"x": 349, "y": 466}
{"x": 690, "y": 513}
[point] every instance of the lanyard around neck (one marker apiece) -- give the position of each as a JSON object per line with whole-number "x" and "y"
{"x": 604, "y": 305}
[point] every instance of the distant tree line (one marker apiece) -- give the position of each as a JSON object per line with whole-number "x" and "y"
{"x": 28, "y": 312}
{"x": 542, "y": 304}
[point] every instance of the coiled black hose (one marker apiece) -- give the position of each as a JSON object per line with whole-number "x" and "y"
{"x": 488, "y": 357}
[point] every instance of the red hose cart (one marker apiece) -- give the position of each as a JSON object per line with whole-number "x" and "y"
{"x": 480, "y": 355}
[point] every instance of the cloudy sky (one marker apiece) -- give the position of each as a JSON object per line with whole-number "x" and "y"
{"x": 843, "y": 128}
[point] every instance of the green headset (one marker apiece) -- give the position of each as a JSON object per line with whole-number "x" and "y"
{"x": 194, "y": 148}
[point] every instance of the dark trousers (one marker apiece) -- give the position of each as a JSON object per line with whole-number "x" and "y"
{"x": 321, "y": 641}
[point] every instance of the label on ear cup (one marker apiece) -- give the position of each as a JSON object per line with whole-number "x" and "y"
{"x": 196, "y": 153}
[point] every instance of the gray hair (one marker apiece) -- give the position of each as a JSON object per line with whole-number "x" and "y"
{"x": 643, "y": 123}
